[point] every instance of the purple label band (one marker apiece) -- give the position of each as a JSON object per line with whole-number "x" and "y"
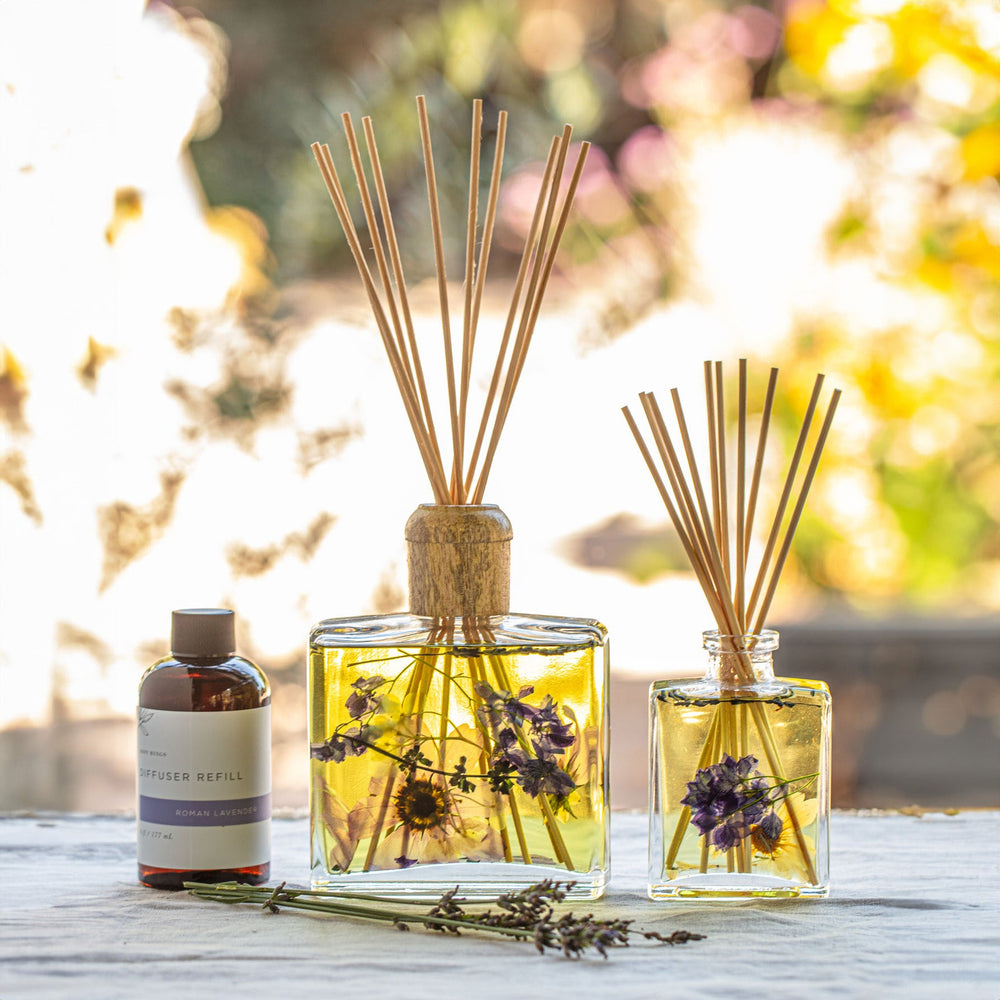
{"x": 211, "y": 812}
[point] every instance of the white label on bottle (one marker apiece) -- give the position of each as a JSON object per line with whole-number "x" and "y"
{"x": 204, "y": 789}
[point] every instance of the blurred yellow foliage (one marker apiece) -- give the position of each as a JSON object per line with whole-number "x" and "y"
{"x": 812, "y": 29}
{"x": 884, "y": 391}
{"x": 97, "y": 356}
{"x": 981, "y": 152}
{"x": 921, "y": 32}
{"x": 11, "y": 369}
{"x": 936, "y": 273}
{"x": 247, "y": 233}
{"x": 127, "y": 208}
{"x": 973, "y": 247}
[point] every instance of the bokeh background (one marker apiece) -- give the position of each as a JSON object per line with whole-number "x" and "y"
{"x": 195, "y": 411}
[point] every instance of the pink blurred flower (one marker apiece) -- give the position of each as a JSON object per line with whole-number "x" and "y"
{"x": 646, "y": 158}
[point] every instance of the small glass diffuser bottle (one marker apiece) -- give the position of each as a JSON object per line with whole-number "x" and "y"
{"x": 204, "y": 761}
{"x": 739, "y": 778}
{"x": 458, "y": 744}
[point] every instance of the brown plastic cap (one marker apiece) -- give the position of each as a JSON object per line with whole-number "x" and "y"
{"x": 202, "y": 632}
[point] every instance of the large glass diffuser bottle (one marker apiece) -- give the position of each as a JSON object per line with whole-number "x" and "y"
{"x": 739, "y": 778}
{"x": 458, "y": 744}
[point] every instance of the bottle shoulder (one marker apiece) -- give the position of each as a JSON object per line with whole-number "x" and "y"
{"x": 700, "y": 691}
{"x": 407, "y": 630}
{"x": 232, "y": 684}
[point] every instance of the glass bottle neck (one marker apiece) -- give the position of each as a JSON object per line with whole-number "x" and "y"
{"x": 740, "y": 660}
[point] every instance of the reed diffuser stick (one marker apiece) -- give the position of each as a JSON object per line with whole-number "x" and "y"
{"x": 380, "y": 258}
{"x": 786, "y": 493}
{"x": 713, "y": 453}
{"x": 758, "y": 462}
{"x": 525, "y": 327}
{"x": 680, "y": 525}
{"x": 720, "y": 430}
{"x": 797, "y": 511}
{"x": 400, "y": 279}
{"x": 698, "y": 535}
{"x": 465, "y": 482}
{"x": 431, "y": 460}
{"x": 442, "y": 281}
{"x": 492, "y": 202}
{"x": 536, "y": 290}
{"x": 515, "y": 302}
{"x": 472, "y": 226}
{"x": 739, "y": 598}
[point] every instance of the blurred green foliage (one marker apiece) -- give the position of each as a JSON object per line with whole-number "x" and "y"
{"x": 293, "y": 69}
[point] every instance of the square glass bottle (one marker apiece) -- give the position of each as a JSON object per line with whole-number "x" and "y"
{"x": 458, "y": 744}
{"x": 739, "y": 778}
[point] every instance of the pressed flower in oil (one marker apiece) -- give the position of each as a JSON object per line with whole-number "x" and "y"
{"x": 422, "y": 805}
{"x": 446, "y": 794}
{"x": 776, "y": 843}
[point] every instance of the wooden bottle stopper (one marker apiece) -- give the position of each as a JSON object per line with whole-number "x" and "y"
{"x": 459, "y": 560}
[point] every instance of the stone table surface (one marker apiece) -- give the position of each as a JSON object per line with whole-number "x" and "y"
{"x": 914, "y": 913}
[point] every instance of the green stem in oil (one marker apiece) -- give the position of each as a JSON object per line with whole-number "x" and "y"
{"x": 558, "y": 844}
{"x": 733, "y": 750}
{"x": 515, "y": 812}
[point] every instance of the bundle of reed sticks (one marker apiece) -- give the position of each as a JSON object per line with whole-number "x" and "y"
{"x": 720, "y": 560}
{"x": 463, "y": 480}
{"x": 706, "y": 525}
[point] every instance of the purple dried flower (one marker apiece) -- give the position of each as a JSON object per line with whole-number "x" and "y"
{"x": 767, "y": 834}
{"x": 501, "y": 707}
{"x": 357, "y": 740}
{"x": 368, "y": 683}
{"x": 771, "y": 825}
{"x": 728, "y": 799}
{"x": 333, "y": 749}
{"x": 538, "y": 775}
{"x": 731, "y": 831}
{"x": 548, "y": 728}
{"x": 509, "y": 749}
{"x": 363, "y": 700}
{"x": 514, "y": 723}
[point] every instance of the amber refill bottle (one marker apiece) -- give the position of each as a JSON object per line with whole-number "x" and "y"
{"x": 204, "y": 759}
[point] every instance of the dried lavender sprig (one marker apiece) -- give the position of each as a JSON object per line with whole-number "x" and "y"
{"x": 525, "y": 915}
